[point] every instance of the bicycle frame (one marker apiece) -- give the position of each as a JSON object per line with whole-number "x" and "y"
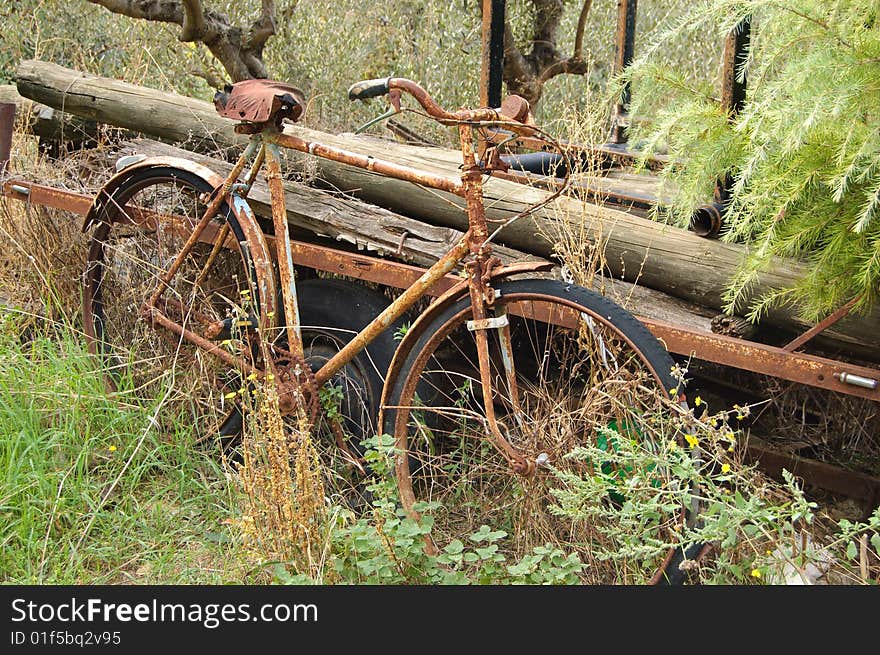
{"x": 264, "y": 151}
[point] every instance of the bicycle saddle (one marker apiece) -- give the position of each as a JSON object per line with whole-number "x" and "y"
{"x": 260, "y": 101}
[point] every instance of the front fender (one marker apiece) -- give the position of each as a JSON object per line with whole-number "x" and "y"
{"x": 256, "y": 246}
{"x": 434, "y": 310}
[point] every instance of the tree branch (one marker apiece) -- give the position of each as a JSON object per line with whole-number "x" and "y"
{"x": 264, "y": 27}
{"x": 193, "y": 22}
{"x": 163, "y": 12}
{"x": 579, "y": 34}
{"x": 525, "y": 75}
{"x": 571, "y": 65}
{"x": 239, "y": 50}
{"x": 575, "y": 64}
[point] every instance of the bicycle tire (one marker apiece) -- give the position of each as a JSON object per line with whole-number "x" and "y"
{"x": 443, "y": 454}
{"x": 127, "y": 253}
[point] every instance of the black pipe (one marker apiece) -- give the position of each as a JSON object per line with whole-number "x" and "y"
{"x": 707, "y": 220}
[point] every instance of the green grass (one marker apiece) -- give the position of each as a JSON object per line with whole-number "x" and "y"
{"x": 97, "y": 488}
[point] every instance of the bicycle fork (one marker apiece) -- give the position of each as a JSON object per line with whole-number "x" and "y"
{"x": 482, "y": 296}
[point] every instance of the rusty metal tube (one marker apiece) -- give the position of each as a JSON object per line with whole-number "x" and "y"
{"x": 152, "y": 314}
{"x": 396, "y": 309}
{"x": 7, "y": 123}
{"x": 283, "y": 249}
{"x": 370, "y": 163}
{"x": 707, "y": 220}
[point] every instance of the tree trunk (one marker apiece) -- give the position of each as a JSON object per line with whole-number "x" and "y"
{"x": 54, "y": 128}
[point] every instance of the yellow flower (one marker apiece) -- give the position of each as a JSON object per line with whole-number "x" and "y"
{"x": 698, "y": 401}
{"x": 725, "y": 468}
{"x": 270, "y": 377}
{"x": 226, "y": 342}
{"x": 245, "y": 292}
{"x": 756, "y": 574}
{"x": 252, "y": 377}
{"x": 672, "y": 445}
{"x": 692, "y": 440}
{"x": 112, "y": 449}
{"x": 730, "y": 449}
{"x": 230, "y": 395}
{"x": 673, "y": 391}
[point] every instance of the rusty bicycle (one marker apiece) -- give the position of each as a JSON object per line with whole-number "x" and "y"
{"x": 487, "y": 390}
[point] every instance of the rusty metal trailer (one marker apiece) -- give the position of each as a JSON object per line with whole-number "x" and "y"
{"x": 785, "y": 362}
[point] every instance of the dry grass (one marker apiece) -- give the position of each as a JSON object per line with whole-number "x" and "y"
{"x": 45, "y": 249}
{"x": 285, "y": 512}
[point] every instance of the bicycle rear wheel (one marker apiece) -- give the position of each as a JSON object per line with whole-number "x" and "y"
{"x": 139, "y": 233}
{"x": 586, "y": 372}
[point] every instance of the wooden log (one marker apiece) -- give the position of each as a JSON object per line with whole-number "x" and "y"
{"x": 657, "y": 256}
{"x": 378, "y": 230}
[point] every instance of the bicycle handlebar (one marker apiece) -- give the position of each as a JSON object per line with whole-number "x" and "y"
{"x": 377, "y": 87}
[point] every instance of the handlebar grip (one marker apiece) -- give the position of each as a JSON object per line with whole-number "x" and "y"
{"x": 368, "y": 89}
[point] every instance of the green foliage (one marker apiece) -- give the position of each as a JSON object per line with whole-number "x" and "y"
{"x": 804, "y": 153}
{"x": 331, "y": 397}
{"x": 751, "y": 521}
{"x": 97, "y": 487}
{"x": 388, "y": 547}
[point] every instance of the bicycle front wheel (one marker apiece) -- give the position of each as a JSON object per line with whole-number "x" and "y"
{"x": 586, "y": 371}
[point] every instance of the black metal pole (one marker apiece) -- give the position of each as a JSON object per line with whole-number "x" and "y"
{"x": 626, "y": 39}
{"x": 492, "y": 53}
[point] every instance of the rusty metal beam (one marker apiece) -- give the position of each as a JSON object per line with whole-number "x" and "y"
{"x": 761, "y": 358}
{"x": 819, "y": 474}
{"x": 827, "y": 322}
{"x": 736, "y": 50}
{"x": 733, "y": 88}
{"x": 47, "y": 196}
{"x": 492, "y": 62}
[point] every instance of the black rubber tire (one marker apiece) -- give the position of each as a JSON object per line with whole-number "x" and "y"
{"x": 332, "y": 311}
{"x": 145, "y": 348}
{"x": 641, "y": 342}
